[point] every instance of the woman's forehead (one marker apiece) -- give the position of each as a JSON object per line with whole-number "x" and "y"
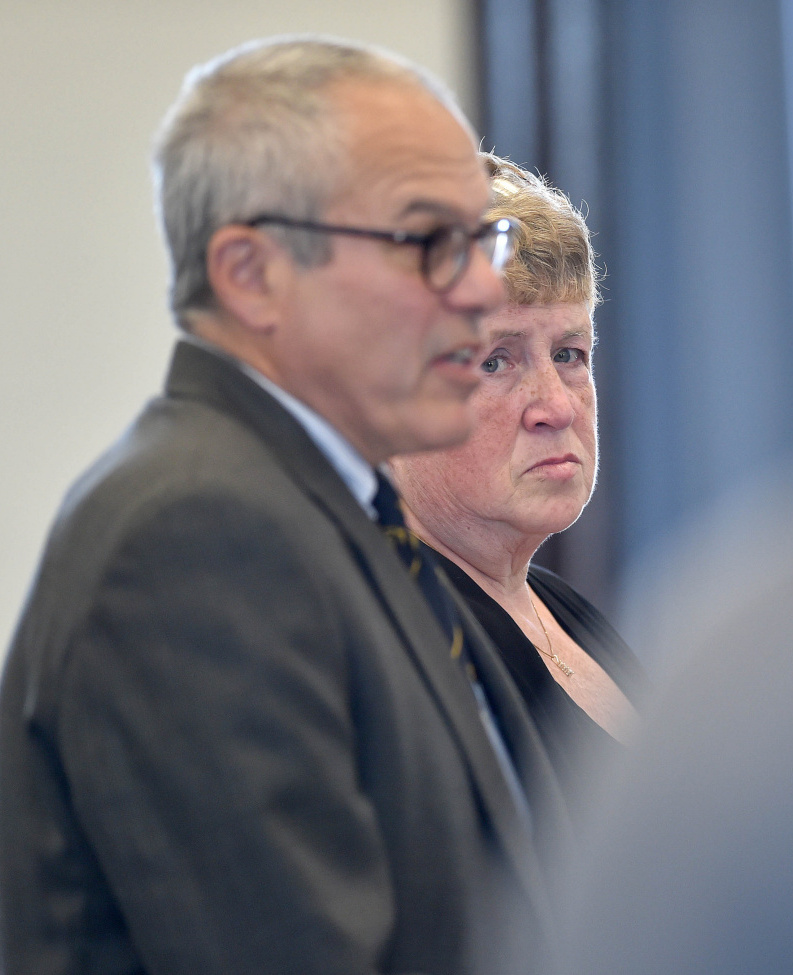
{"x": 515, "y": 321}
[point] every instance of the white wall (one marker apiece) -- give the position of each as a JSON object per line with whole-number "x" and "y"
{"x": 84, "y": 334}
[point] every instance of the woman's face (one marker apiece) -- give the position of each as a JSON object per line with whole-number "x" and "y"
{"x": 529, "y": 466}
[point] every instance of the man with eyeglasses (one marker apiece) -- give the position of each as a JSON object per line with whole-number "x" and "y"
{"x": 237, "y": 737}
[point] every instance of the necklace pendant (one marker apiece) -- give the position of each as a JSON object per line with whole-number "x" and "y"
{"x": 567, "y": 671}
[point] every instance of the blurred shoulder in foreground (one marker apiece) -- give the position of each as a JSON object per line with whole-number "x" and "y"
{"x": 694, "y": 845}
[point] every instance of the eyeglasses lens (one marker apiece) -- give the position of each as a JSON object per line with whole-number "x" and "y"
{"x": 499, "y": 243}
{"x": 446, "y": 257}
{"x": 448, "y": 252}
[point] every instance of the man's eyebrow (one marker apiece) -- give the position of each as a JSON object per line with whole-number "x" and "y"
{"x": 434, "y": 208}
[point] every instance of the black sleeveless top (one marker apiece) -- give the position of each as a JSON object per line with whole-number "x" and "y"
{"x": 571, "y": 738}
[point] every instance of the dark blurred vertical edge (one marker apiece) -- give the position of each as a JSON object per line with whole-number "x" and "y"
{"x": 509, "y": 66}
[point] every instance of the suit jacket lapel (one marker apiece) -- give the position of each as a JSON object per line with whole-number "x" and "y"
{"x": 426, "y": 645}
{"x": 531, "y": 760}
{"x": 202, "y": 374}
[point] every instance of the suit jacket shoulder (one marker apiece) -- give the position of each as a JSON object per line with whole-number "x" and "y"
{"x": 231, "y": 737}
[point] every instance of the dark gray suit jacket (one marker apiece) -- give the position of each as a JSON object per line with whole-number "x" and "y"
{"x": 232, "y": 739}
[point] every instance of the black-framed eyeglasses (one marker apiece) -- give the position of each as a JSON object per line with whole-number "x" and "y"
{"x": 445, "y": 252}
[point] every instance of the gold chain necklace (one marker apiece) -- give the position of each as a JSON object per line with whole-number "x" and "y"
{"x": 567, "y": 671}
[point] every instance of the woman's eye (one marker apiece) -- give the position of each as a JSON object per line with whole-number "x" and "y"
{"x": 497, "y": 361}
{"x": 493, "y": 363}
{"x": 568, "y": 355}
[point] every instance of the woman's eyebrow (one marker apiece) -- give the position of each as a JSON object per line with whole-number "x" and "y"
{"x": 506, "y": 334}
{"x": 575, "y": 333}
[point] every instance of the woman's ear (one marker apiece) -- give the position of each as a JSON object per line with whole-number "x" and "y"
{"x": 244, "y": 267}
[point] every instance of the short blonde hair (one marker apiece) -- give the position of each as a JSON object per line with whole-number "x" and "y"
{"x": 553, "y": 260}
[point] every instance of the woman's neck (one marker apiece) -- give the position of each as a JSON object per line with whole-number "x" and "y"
{"x": 499, "y": 569}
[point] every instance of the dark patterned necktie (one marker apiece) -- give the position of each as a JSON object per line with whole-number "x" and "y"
{"x": 419, "y": 562}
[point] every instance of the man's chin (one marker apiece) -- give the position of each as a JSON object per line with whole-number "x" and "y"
{"x": 447, "y": 427}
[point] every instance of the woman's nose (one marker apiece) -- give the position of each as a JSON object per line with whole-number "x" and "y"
{"x": 547, "y": 400}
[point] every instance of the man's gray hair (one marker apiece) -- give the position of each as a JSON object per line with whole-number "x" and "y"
{"x": 255, "y": 131}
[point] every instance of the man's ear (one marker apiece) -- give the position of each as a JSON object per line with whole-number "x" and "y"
{"x": 246, "y": 270}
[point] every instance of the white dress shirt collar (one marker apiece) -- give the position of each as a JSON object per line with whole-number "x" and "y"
{"x": 351, "y": 467}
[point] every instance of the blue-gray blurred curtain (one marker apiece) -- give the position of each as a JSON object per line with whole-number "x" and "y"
{"x": 672, "y": 122}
